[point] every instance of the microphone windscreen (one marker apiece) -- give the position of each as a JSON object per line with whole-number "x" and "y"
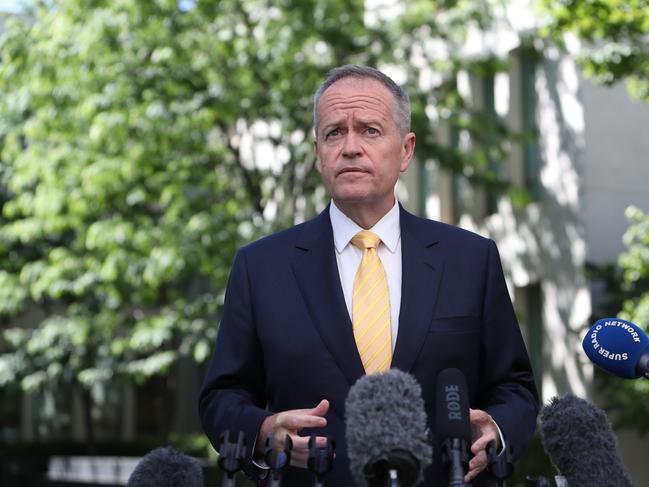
{"x": 166, "y": 467}
{"x": 616, "y": 346}
{"x": 578, "y": 438}
{"x": 452, "y": 418}
{"x": 385, "y": 412}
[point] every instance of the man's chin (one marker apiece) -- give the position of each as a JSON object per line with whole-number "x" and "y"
{"x": 352, "y": 197}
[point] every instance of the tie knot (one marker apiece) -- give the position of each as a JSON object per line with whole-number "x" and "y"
{"x": 366, "y": 240}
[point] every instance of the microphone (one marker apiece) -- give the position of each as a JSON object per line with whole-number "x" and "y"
{"x": 453, "y": 425}
{"x": 166, "y": 467}
{"x": 619, "y": 347}
{"x": 321, "y": 459}
{"x": 577, "y": 437}
{"x": 277, "y": 460}
{"x": 231, "y": 455}
{"x": 387, "y": 437}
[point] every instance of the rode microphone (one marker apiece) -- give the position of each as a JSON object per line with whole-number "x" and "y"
{"x": 619, "y": 347}
{"x": 578, "y": 438}
{"x": 386, "y": 432}
{"x": 453, "y": 425}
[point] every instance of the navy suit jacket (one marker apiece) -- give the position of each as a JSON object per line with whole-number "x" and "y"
{"x": 286, "y": 341}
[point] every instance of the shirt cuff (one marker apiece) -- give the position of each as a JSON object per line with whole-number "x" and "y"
{"x": 502, "y": 439}
{"x": 260, "y": 462}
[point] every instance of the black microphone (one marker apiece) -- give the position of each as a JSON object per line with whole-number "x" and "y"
{"x": 321, "y": 459}
{"x": 578, "y": 438}
{"x": 387, "y": 437}
{"x": 231, "y": 455}
{"x": 166, "y": 467}
{"x": 453, "y": 425}
{"x": 277, "y": 460}
{"x": 619, "y": 347}
{"x": 500, "y": 465}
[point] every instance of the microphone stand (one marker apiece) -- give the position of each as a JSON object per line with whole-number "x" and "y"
{"x": 455, "y": 453}
{"x": 500, "y": 466}
{"x": 394, "y": 478}
{"x": 537, "y": 482}
{"x": 277, "y": 459}
{"x": 231, "y": 456}
{"x": 396, "y": 468}
{"x": 321, "y": 459}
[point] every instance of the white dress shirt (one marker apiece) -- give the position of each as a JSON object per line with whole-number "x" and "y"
{"x": 348, "y": 257}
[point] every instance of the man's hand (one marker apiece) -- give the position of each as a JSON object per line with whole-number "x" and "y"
{"x": 291, "y": 423}
{"x": 484, "y": 430}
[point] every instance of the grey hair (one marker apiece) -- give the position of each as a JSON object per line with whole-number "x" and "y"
{"x": 401, "y": 100}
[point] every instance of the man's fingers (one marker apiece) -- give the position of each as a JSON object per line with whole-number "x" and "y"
{"x": 300, "y": 451}
{"x": 481, "y": 443}
{"x": 484, "y": 431}
{"x": 296, "y": 421}
{"x": 320, "y": 410}
{"x": 299, "y": 459}
{"x": 479, "y": 417}
{"x": 301, "y": 443}
{"x": 477, "y": 464}
{"x": 320, "y": 441}
{"x": 291, "y": 422}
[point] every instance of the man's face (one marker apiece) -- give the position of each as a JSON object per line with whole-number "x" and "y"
{"x": 359, "y": 147}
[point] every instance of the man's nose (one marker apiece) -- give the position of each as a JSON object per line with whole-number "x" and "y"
{"x": 351, "y": 146}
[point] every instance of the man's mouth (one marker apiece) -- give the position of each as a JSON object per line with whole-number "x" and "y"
{"x": 352, "y": 169}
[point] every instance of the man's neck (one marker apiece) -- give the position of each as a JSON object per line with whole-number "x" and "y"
{"x": 363, "y": 214}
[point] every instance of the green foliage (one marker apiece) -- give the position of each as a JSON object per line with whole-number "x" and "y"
{"x": 123, "y": 189}
{"x": 632, "y": 397}
{"x": 615, "y": 33}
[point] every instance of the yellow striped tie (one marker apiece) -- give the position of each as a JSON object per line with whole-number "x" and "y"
{"x": 371, "y": 306}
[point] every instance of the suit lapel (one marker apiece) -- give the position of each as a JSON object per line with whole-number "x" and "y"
{"x": 421, "y": 274}
{"x": 316, "y": 271}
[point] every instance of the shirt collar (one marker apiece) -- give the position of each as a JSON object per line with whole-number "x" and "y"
{"x": 344, "y": 228}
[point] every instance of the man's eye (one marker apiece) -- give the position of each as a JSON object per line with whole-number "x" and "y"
{"x": 333, "y": 133}
{"x": 372, "y": 131}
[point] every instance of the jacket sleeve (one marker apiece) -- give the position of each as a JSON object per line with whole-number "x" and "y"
{"x": 507, "y": 389}
{"x": 232, "y": 397}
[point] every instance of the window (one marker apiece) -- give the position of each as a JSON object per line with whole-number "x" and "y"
{"x": 529, "y": 310}
{"x": 529, "y": 103}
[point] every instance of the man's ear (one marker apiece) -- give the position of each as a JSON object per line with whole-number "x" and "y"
{"x": 407, "y": 151}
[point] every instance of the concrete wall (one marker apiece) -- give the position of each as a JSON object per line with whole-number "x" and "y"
{"x": 617, "y": 166}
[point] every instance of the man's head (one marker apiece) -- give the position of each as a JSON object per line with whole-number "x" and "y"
{"x": 362, "y": 140}
{"x": 355, "y": 71}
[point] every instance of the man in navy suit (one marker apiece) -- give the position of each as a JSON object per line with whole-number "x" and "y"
{"x": 286, "y": 355}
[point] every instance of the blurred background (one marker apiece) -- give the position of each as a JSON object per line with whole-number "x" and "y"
{"x": 142, "y": 142}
